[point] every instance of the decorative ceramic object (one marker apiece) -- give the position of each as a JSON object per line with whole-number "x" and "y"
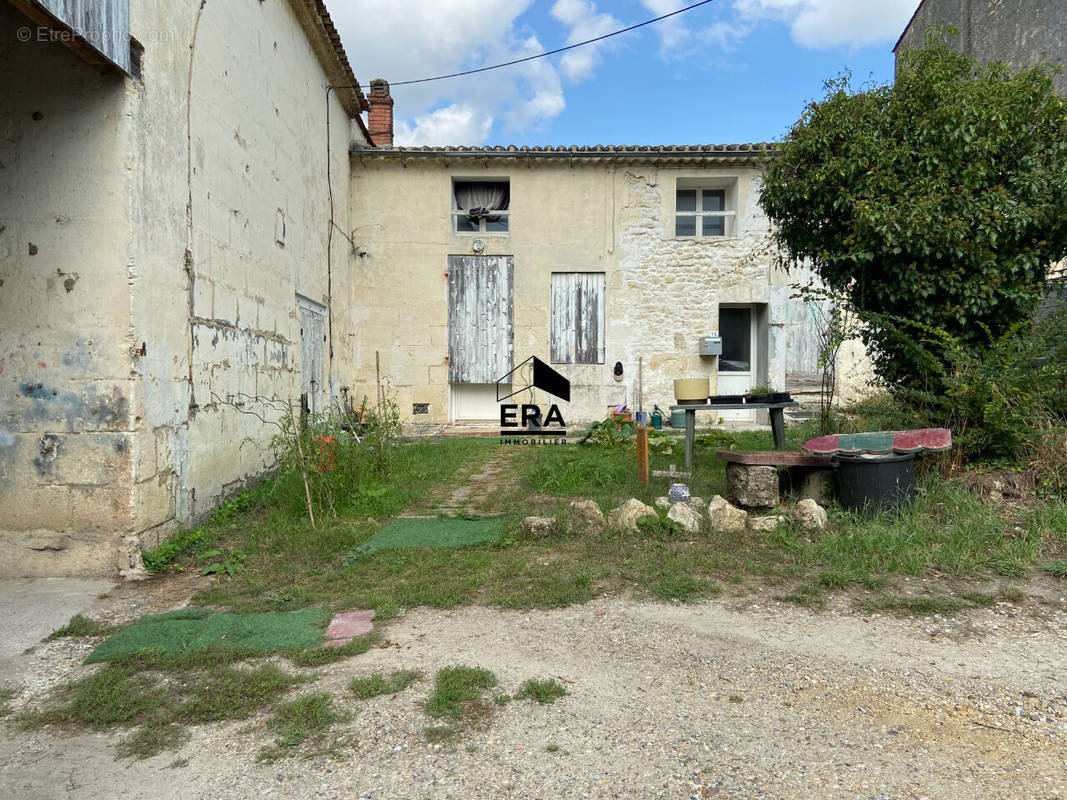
{"x": 678, "y": 493}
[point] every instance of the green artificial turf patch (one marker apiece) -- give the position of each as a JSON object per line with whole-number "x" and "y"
{"x": 201, "y": 628}
{"x": 437, "y": 532}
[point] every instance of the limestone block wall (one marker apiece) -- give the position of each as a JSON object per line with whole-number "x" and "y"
{"x": 1021, "y": 33}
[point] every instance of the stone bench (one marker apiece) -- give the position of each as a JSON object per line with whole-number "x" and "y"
{"x": 752, "y": 478}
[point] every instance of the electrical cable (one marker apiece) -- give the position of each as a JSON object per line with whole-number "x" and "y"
{"x": 552, "y": 52}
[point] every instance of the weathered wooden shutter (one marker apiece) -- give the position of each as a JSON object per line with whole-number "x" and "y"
{"x": 312, "y": 339}
{"x": 479, "y": 318}
{"x": 577, "y": 335}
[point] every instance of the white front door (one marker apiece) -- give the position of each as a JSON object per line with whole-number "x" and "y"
{"x": 737, "y": 364}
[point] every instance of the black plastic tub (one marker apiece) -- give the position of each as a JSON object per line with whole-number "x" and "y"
{"x": 768, "y": 397}
{"x": 726, "y": 399}
{"x": 870, "y": 484}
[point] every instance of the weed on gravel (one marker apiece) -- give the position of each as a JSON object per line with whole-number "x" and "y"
{"x": 457, "y": 693}
{"x": 304, "y": 726}
{"x": 379, "y": 684}
{"x": 543, "y": 691}
{"x": 943, "y": 604}
{"x": 159, "y": 698}
{"x": 320, "y": 656}
{"x": 458, "y": 697}
{"x": 81, "y": 626}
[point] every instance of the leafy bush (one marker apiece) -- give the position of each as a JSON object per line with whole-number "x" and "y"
{"x": 993, "y": 399}
{"x": 938, "y": 199}
{"x": 333, "y": 456}
{"x": 191, "y": 541}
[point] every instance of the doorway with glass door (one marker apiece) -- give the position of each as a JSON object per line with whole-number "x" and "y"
{"x": 738, "y": 364}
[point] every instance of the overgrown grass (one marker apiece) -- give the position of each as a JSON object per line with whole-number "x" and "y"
{"x": 947, "y": 530}
{"x": 160, "y": 696}
{"x": 457, "y": 690}
{"x": 320, "y": 656}
{"x": 81, "y": 626}
{"x": 543, "y": 691}
{"x": 304, "y": 724}
{"x": 379, "y": 684}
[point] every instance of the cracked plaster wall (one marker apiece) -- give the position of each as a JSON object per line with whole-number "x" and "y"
{"x": 105, "y": 444}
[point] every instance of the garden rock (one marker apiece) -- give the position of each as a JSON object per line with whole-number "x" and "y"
{"x": 752, "y": 486}
{"x": 699, "y": 503}
{"x": 765, "y": 524}
{"x": 810, "y": 515}
{"x": 664, "y": 503}
{"x": 537, "y": 527}
{"x": 624, "y": 518}
{"x": 687, "y": 517}
{"x": 724, "y": 517}
{"x": 584, "y": 516}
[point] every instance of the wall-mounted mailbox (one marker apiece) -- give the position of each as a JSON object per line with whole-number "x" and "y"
{"x": 711, "y": 345}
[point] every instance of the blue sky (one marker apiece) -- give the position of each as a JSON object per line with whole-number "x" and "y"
{"x": 731, "y": 71}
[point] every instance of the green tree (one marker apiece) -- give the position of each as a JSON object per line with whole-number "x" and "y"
{"x": 940, "y": 199}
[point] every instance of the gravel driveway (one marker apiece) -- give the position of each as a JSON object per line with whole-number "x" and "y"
{"x": 726, "y": 699}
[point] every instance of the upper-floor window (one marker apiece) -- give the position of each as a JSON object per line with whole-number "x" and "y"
{"x": 480, "y": 206}
{"x": 704, "y": 210}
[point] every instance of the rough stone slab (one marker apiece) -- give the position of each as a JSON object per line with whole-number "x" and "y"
{"x": 584, "y": 516}
{"x": 624, "y": 518}
{"x": 346, "y": 625}
{"x": 725, "y": 518}
{"x": 773, "y": 458}
{"x": 687, "y": 517}
{"x": 752, "y": 486}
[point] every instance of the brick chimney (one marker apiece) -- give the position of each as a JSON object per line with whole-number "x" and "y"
{"x": 380, "y": 116}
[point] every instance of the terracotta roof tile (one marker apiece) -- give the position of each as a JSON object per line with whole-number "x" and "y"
{"x": 695, "y": 149}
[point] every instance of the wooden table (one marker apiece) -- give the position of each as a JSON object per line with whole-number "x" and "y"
{"x": 777, "y": 421}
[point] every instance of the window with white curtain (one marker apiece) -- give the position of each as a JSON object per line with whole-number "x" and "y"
{"x": 480, "y": 206}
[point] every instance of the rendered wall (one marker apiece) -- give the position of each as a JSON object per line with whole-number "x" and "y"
{"x": 133, "y": 331}
{"x": 256, "y": 140}
{"x": 1020, "y": 33}
{"x": 67, "y": 408}
{"x": 662, "y": 293}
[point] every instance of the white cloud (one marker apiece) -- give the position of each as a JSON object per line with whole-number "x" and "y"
{"x": 539, "y": 91}
{"x": 814, "y": 24}
{"x": 832, "y": 23}
{"x": 673, "y": 34}
{"x": 584, "y": 23}
{"x": 455, "y": 124}
{"x": 422, "y": 38}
